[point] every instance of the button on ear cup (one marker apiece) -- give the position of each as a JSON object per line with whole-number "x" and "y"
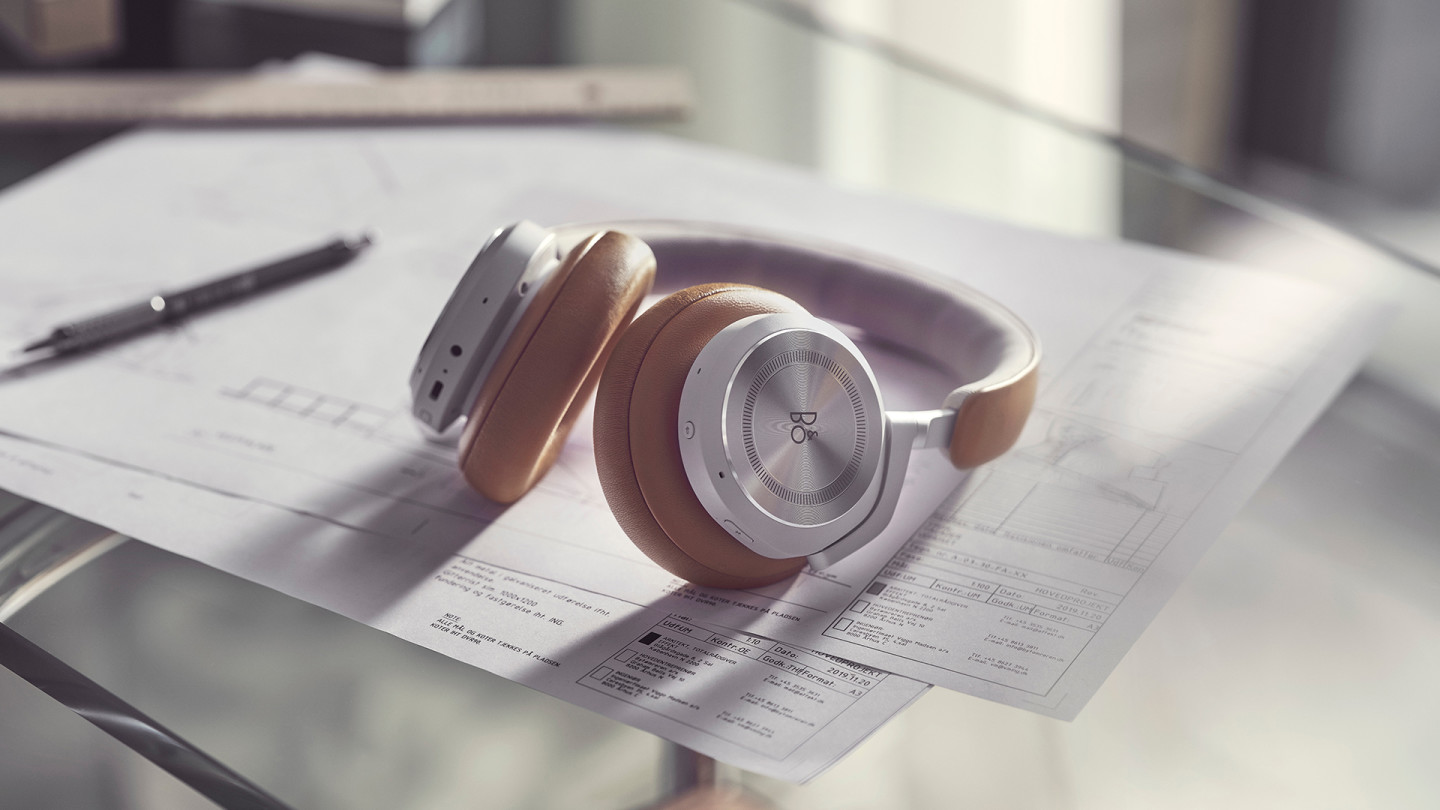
{"x": 552, "y": 362}
{"x": 637, "y": 444}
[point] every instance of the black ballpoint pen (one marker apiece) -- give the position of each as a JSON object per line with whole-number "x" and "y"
{"x": 165, "y": 307}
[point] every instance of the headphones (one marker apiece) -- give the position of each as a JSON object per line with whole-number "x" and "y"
{"x": 737, "y": 435}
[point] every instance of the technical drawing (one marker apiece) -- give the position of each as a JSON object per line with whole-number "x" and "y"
{"x": 312, "y": 405}
{"x": 1085, "y": 490}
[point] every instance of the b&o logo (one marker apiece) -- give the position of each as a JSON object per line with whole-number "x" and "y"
{"x": 800, "y": 431}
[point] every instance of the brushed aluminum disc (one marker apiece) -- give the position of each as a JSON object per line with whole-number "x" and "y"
{"x": 801, "y": 427}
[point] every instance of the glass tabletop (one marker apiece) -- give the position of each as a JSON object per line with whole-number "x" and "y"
{"x": 1292, "y": 669}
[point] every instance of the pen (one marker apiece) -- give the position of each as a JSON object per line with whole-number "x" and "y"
{"x": 166, "y": 307}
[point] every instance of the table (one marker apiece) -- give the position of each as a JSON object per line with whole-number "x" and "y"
{"x": 1292, "y": 669}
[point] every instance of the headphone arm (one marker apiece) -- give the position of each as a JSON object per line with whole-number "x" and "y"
{"x": 905, "y": 432}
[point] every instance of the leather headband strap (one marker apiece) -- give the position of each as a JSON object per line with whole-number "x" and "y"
{"x": 992, "y": 355}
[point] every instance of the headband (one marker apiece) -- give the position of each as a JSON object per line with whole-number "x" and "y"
{"x": 988, "y": 350}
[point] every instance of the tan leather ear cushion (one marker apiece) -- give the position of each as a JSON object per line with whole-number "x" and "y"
{"x": 551, "y": 363}
{"x": 637, "y": 442}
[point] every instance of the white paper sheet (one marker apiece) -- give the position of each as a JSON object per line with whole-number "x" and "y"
{"x": 755, "y": 703}
{"x": 270, "y": 440}
{"x": 776, "y": 709}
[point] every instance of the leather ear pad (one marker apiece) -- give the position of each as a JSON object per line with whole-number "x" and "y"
{"x": 551, "y": 363}
{"x": 637, "y": 443}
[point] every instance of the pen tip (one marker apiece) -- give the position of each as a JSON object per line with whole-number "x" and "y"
{"x": 362, "y": 240}
{"x": 39, "y": 344}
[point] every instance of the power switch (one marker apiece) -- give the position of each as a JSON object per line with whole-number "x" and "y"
{"x": 737, "y": 532}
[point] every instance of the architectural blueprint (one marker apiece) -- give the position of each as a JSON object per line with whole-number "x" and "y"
{"x": 271, "y": 439}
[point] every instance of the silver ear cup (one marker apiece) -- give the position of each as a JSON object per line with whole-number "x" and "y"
{"x": 782, "y": 433}
{"x": 797, "y": 414}
{"x": 474, "y": 325}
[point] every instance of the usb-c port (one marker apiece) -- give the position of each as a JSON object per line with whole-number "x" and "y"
{"x": 436, "y": 389}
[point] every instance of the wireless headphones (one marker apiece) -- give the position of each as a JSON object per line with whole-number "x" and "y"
{"x": 737, "y": 435}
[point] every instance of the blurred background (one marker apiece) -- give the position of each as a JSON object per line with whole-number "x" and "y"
{"x": 1331, "y": 104}
{"x": 1015, "y": 110}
